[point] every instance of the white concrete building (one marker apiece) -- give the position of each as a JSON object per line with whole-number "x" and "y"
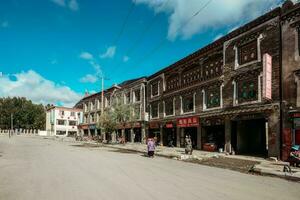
{"x": 63, "y": 121}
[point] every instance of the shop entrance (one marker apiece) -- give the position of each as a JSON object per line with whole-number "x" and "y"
{"x": 249, "y": 137}
{"x": 137, "y": 135}
{"x": 92, "y": 131}
{"x": 169, "y": 137}
{"x": 214, "y": 135}
{"x": 155, "y": 133}
{"x": 85, "y": 132}
{"x": 190, "y": 131}
{"x": 127, "y": 135}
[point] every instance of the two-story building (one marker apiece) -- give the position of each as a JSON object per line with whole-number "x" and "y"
{"x": 63, "y": 121}
{"x": 131, "y": 92}
{"x": 218, "y": 96}
{"x": 290, "y": 21}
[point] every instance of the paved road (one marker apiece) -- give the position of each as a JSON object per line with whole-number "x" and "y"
{"x": 32, "y": 168}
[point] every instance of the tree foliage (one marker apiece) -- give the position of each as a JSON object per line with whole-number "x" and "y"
{"x": 115, "y": 115}
{"x": 26, "y": 115}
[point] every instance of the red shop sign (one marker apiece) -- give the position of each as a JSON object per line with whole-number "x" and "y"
{"x": 295, "y": 115}
{"x": 188, "y": 122}
{"x": 153, "y": 125}
{"x": 169, "y": 125}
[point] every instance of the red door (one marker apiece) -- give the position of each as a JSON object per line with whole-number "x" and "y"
{"x": 297, "y": 137}
{"x": 286, "y": 143}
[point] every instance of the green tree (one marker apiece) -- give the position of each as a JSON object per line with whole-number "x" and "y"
{"x": 26, "y": 115}
{"x": 117, "y": 114}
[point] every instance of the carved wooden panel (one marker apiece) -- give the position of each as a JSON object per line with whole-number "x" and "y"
{"x": 173, "y": 82}
{"x": 248, "y": 52}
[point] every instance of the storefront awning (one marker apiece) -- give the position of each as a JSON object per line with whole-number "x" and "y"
{"x": 240, "y": 110}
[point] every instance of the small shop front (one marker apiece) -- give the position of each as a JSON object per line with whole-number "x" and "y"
{"x": 137, "y": 131}
{"x": 189, "y": 126}
{"x": 154, "y": 131}
{"x": 213, "y": 134}
{"x": 295, "y": 117}
{"x": 92, "y": 129}
{"x": 84, "y": 129}
{"x": 169, "y": 134}
{"x": 249, "y": 136}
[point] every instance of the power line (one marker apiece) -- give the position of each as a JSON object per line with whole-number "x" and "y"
{"x": 124, "y": 23}
{"x": 163, "y": 41}
{"x": 145, "y": 30}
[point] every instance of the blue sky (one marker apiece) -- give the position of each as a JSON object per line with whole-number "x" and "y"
{"x": 53, "y": 50}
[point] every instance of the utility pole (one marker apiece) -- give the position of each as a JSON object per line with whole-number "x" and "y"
{"x": 102, "y": 95}
{"x": 11, "y": 124}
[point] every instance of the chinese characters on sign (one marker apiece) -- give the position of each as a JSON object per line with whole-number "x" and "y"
{"x": 188, "y": 122}
{"x": 267, "y": 76}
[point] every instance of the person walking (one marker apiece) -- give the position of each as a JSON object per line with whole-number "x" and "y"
{"x": 151, "y": 147}
{"x": 188, "y": 145}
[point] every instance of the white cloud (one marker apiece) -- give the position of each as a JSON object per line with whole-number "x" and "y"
{"x": 218, "y": 37}
{"x": 110, "y": 52}
{"x": 217, "y": 14}
{"x": 71, "y": 4}
{"x": 59, "y": 2}
{"x": 38, "y": 89}
{"x": 89, "y": 78}
{"x": 125, "y": 58}
{"x": 86, "y": 55}
{"x": 4, "y": 24}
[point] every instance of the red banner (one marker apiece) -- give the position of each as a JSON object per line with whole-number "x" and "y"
{"x": 267, "y": 76}
{"x": 188, "y": 122}
{"x": 169, "y": 125}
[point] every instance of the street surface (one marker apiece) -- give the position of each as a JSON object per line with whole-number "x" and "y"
{"x": 42, "y": 169}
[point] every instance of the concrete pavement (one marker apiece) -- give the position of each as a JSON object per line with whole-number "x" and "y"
{"x": 35, "y": 168}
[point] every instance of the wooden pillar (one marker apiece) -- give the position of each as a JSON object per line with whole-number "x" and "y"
{"x": 227, "y": 147}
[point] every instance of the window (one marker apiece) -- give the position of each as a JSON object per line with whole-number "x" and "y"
{"x": 191, "y": 75}
{"x": 188, "y": 103}
{"x": 154, "y": 110}
{"x": 61, "y": 132}
{"x": 247, "y": 91}
{"x": 173, "y": 82}
{"x": 107, "y": 101}
{"x": 248, "y": 52}
{"x": 137, "y": 95}
{"x": 154, "y": 89}
{"x": 169, "y": 107}
{"x": 98, "y": 104}
{"x": 72, "y": 123}
{"x": 213, "y": 98}
{"x": 127, "y": 98}
{"x": 92, "y": 118}
{"x": 72, "y": 114}
{"x": 61, "y": 112}
{"x": 137, "y": 112}
{"x": 60, "y": 122}
{"x": 91, "y": 106}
